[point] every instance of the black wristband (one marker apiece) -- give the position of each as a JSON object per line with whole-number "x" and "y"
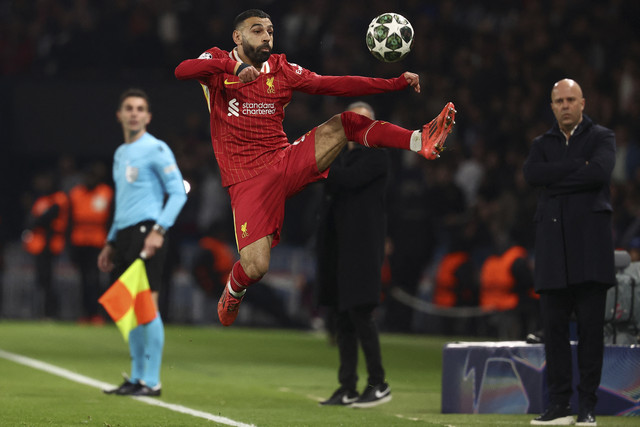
{"x": 242, "y": 67}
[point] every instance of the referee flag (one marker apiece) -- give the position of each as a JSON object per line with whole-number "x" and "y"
{"x": 128, "y": 301}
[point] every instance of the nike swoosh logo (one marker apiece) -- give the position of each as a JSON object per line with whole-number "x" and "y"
{"x": 227, "y": 82}
{"x": 347, "y": 401}
{"x": 381, "y": 394}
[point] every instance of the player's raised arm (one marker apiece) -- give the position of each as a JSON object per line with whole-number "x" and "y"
{"x": 211, "y": 62}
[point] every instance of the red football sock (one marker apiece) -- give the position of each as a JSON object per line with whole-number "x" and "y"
{"x": 374, "y": 133}
{"x": 239, "y": 279}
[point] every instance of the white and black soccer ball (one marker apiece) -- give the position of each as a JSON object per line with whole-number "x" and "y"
{"x": 390, "y": 37}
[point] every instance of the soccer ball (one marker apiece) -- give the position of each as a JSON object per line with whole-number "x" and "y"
{"x": 390, "y": 37}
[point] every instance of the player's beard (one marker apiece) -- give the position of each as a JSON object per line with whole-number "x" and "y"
{"x": 254, "y": 54}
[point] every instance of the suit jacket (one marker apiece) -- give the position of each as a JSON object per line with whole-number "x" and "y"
{"x": 352, "y": 229}
{"x": 574, "y": 241}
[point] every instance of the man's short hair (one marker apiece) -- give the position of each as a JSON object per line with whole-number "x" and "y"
{"x": 251, "y": 13}
{"x": 362, "y": 104}
{"x": 134, "y": 92}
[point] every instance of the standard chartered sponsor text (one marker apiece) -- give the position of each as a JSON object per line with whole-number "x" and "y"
{"x": 258, "y": 108}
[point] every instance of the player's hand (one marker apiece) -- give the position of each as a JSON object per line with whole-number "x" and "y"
{"x": 152, "y": 243}
{"x": 105, "y": 263}
{"x": 248, "y": 74}
{"x": 413, "y": 79}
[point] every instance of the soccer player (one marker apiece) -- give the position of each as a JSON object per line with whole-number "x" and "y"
{"x": 145, "y": 173}
{"x": 247, "y": 90}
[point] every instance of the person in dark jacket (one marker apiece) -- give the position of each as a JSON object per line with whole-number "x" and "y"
{"x": 571, "y": 166}
{"x": 351, "y": 239}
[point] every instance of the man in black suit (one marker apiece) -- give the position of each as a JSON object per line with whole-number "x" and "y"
{"x": 351, "y": 238}
{"x": 571, "y": 166}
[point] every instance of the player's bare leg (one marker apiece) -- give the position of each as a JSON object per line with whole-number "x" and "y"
{"x": 330, "y": 140}
{"x": 253, "y": 265}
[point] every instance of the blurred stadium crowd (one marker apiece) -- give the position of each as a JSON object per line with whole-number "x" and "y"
{"x": 496, "y": 60}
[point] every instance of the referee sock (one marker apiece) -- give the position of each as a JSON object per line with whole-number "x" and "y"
{"x": 376, "y": 133}
{"x": 239, "y": 281}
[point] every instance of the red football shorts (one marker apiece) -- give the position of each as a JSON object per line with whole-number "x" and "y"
{"x": 258, "y": 203}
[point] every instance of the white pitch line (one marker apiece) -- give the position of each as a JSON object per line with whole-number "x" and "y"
{"x": 64, "y": 373}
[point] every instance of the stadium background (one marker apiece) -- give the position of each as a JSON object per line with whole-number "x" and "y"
{"x": 64, "y": 63}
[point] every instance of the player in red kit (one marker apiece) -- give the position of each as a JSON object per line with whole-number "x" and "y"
{"x": 247, "y": 90}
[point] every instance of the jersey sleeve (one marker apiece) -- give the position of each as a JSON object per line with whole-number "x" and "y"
{"x": 165, "y": 166}
{"x": 307, "y": 81}
{"x": 211, "y": 62}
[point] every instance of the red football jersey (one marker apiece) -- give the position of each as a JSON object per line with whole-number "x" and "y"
{"x": 246, "y": 118}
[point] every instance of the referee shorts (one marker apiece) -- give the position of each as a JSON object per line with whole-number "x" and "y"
{"x": 128, "y": 245}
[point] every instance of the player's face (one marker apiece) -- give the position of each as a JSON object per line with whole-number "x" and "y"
{"x": 134, "y": 114}
{"x": 567, "y": 104}
{"x": 255, "y": 38}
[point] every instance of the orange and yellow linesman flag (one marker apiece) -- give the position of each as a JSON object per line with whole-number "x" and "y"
{"x": 128, "y": 301}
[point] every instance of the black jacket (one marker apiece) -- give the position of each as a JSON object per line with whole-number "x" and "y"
{"x": 574, "y": 242}
{"x": 352, "y": 229}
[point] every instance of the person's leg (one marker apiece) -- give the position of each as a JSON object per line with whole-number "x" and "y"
{"x": 590, "y": 308}
{"x": 556, "y": 308}
{"x": 348, "y": 350}
{"x": 367, "y": 333}
{"x": 332, "y": 135}
{"x": 153, "y": 348}
{"x": 252, "y": 266}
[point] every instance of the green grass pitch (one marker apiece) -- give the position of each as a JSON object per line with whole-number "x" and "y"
{"x": 261, "y": 377}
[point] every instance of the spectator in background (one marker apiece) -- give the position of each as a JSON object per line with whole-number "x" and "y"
{"x": 45, "y": 237}
{"x": 90, "y": 214}
{"x": 351, "y": 243}
{"x": 150, "y": 194}
{"x": 571, "y": 166}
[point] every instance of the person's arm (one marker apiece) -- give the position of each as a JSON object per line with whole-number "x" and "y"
{"x": 596, "y": 170}
{"x": 165, "y": 167}
{"x": 307, "y": 81}
{"x": 213, "y": 61}
{"x": 538, "y": 171}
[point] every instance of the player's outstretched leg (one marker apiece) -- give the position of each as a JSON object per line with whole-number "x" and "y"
{"x": 435, "y": 132}
{"x": 228, "y": 305}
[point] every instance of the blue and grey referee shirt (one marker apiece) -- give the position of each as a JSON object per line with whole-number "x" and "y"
{"x": 144, "y": 171}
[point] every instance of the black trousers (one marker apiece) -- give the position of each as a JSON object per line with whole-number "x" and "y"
{"x": 356, "y": 326}
{"x": 85, "y": 259}
{"x": 587, "y": 301}
{"x": 44, "y": 282}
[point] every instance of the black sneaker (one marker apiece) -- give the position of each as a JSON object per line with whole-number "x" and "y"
{"x": 586, "y": 418}
{"x": 555, "y": 415}
{"x": 373, "y": 395}
{"x": 342, "y": 396}
{"x": 145, "y": 390}
{"x": 125, "y": 389}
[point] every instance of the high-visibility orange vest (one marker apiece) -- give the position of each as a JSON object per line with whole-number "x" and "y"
{"x": 497, "y": 282}
{"x": 446, "y": 281}
{"x": 222, "y": 255}
{"x": 36, "y": 241}
{"x": 89, "y": 214}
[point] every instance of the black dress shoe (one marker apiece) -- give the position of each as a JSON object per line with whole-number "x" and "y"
{"x": 586, "y": 418}
{"x": 555, "y": 415}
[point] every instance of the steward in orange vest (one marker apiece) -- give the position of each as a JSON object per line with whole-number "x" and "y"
{"x": 456, "y": 281}
{"x": 498, "y": 284}
{"x": 90, "y": 213}
{"x": 47, "y": 224}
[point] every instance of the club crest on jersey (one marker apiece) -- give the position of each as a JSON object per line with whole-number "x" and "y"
{"x": 270, "y": 88}
{"x": 131, "y": 174}
{"x": 243, "y": 228}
